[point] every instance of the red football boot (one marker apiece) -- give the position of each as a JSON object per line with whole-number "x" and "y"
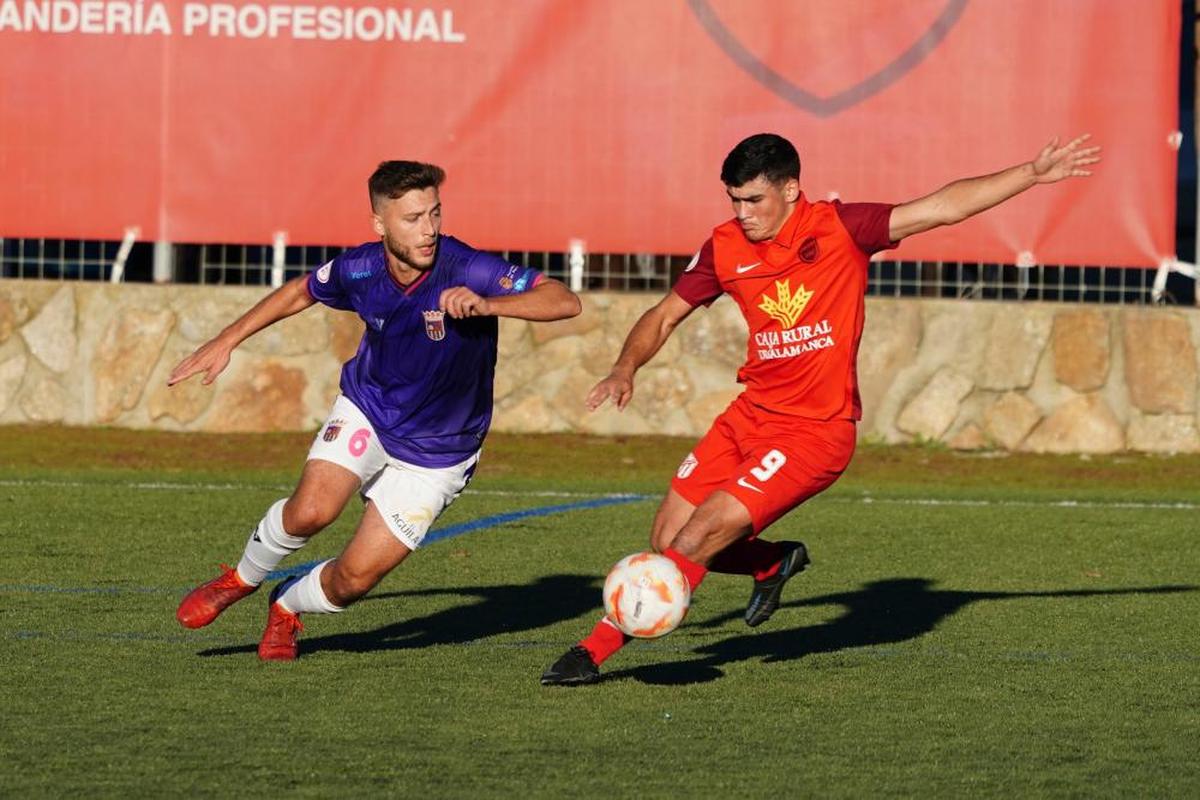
{"x": 279, "y": 639}
{"x": 206, "y": 602}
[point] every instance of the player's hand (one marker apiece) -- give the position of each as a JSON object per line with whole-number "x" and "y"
{"x": 460, "y": 302}
{"x": 1069, "y": 161}
{"x": 617, "y": 387}
{"x": 210, "y": 358}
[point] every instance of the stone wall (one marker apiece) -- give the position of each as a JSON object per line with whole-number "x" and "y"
{"x": 1031, "y": 377}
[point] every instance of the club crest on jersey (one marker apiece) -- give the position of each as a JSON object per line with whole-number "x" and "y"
{"x": 688, "y": 465}
{"x": 785, "y": 308}
{"x": 435, "y": 324}
{"x": 323, "y": 272}
{"x": 810, "y": 251}
{"x": 506, "y": 282}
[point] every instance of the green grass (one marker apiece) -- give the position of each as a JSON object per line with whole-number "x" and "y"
{"x": 964, "y": 630}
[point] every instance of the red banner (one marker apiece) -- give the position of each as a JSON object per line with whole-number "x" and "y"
{"x": 603, "y": 120}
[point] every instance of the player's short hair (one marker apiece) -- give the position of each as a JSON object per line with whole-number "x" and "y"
{"x": 391, "y": 179}
{"x": 766, "y": 154}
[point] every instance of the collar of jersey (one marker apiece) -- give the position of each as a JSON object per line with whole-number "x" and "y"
{"x": 412, "y": 287}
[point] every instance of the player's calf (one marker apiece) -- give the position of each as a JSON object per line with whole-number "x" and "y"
{"x": 269, "y": 544}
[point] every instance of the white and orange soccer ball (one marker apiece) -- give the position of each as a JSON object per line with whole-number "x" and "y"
{"x": 645, "y": 595}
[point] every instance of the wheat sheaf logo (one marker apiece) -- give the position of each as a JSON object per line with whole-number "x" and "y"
{"x": 785, "y": 308}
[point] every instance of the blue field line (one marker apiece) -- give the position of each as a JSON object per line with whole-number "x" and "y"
{"x": 438, "y": 534}
{"x": 435, "y": 535}
{"x": 44, "y": 588}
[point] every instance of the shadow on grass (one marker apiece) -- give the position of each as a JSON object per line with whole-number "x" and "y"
{"x": 498, "y": 609}
{"x": 880, "y": 613}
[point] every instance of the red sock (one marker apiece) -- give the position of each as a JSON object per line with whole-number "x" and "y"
{"x": 691, "y": 570}
{"x": 604, "y": 640}
{"x": 749, "y": 557}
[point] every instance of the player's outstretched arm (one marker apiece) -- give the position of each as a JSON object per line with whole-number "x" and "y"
{"x": 213, "y": 356}
{"x": 965, "y": 198}
{"x": 549, "y": 300}
{"x": 645, "y": 339}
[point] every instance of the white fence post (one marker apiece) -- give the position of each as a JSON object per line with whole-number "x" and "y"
{"x": 164, "y": 262}
{"x": 1169, "y": 265}
{"x": 577, "y": 257}
{"x": 278, "y": 258}
{"x": 118, "y": 266}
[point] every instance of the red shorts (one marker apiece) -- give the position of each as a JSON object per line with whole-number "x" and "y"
{"x": 770, "y": 462}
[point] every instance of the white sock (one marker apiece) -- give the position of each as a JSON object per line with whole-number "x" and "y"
{"x": 305, "y": 596}
{"x": 268, "y": 545}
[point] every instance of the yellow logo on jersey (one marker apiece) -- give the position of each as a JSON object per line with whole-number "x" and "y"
{"x": 785, "y": 308}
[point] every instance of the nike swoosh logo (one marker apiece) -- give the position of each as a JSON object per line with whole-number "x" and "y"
{"x": 740, "y": 269}
{"x": 742, "y": 482}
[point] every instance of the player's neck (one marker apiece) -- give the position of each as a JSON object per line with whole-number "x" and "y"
{"x": 403, "y": 273}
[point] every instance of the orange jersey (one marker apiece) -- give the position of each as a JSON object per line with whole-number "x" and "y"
{"x": 802, "y": 296}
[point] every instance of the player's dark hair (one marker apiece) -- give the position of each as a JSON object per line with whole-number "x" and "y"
{"x": 393, "y": 178}
{"x": 765, "y": 154}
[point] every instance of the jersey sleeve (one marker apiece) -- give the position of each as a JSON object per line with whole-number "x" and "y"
{"x": 698, "y": 285}
{"x": 868, "y": 224}
{"x": 325, "y": 286}
{"x": 491, "y": 276}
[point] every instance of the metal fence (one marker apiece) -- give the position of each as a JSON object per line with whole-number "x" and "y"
{"x": 266, "y": 264}
{"x": 57, "y": 259}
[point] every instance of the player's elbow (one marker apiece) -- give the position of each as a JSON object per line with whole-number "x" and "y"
{"x": 569, "y": 305}
{"x": 556, "y": 301}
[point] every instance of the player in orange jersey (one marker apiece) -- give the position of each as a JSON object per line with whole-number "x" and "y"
{"x": 798, "y": 272}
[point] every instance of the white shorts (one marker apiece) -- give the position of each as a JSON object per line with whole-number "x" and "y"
{"x": 408, "y": 497}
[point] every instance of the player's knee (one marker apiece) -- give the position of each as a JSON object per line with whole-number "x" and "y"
{"x": 666, "y": 526}
{"x": 660, "y": 539}
{"x": 303, "y": 516}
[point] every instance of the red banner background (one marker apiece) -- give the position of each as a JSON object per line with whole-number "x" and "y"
{"x": 605, "y": 120}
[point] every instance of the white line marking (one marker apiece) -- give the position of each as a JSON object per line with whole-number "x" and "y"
{"x": 1085, "y": 504}
{"x": 234, "y": 487}
{"x": 898, "y": 501}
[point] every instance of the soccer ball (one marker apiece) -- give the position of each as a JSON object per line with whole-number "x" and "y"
{"x": 646, "y": 596}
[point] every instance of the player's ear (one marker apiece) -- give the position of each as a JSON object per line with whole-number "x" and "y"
{"x": 377, "y": 224}
{"x": 791, "y": 190}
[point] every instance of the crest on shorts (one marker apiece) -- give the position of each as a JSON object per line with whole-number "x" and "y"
{"x": 435, "y": 324}
{"x": 687, "y": 466}
{"x": 333, "y": 429}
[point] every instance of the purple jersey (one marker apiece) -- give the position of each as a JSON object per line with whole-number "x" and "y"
{"x": 423, "y": 378}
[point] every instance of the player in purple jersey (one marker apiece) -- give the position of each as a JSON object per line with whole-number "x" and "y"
{"x": 415, "y": 401}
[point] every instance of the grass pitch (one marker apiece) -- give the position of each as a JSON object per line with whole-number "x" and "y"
{"x": 1009, "y": 626}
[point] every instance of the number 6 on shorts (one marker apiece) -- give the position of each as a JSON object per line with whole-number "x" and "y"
{"x": 358, "y": 442}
